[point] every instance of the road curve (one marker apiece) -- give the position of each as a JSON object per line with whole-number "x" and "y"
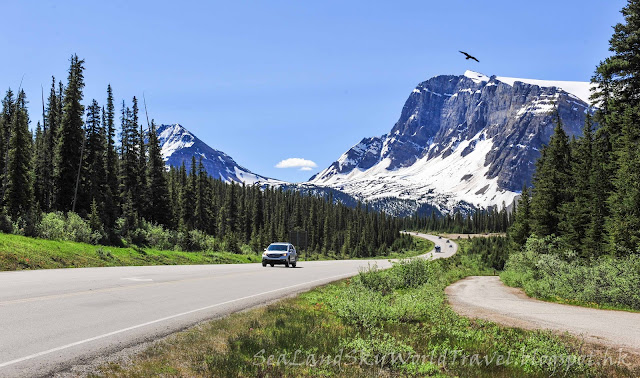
{"x": 53, "y": 319}
{"x": 488, "y": 298}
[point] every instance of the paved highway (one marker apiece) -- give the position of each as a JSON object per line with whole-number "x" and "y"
{"x": 53, "y": 319}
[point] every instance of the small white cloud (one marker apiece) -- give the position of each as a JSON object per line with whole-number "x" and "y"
{"x": 303, "y": 164}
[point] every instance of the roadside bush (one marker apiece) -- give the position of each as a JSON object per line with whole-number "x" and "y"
{"x": 160, "y": 238}
{"x": 77, "y": 229}
{"x": 57, "y": 226}
{"x": 544, "y": 270}
{"x": 412, "y": 273}
{"x": 52, "y": 226}
{"x": 362, "y": 307}
{"x": 375, "y": 280}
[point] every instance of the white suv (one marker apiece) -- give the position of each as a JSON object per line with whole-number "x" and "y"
{"x": 280, "y": 253}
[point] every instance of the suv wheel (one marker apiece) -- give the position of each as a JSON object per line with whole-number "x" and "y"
{"x": 293, "y": 264}
{"x": 286, "y": 263}
{"x": 264, "y": 263}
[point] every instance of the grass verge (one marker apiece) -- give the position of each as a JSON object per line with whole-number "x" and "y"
{"x": 391, "y": 323}
{"x": 21, "y": 252}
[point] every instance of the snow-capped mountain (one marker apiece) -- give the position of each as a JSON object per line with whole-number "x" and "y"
{"x": 179, "y": 145}
{"x": 461, "y": 141}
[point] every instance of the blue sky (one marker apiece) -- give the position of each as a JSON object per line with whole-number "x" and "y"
{"x": 269, "y": 80}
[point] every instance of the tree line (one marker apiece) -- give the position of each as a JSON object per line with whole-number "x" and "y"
{"x": 586, "y": 191}
{"x": 474, "y": 222}
{"x": 73, "y": 162}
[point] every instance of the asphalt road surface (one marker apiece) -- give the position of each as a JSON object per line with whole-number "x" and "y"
{"x": 51, "y": 320}
{"x": 488, "y": 298}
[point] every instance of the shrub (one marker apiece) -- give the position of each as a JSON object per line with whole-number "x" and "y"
{"x": 375, "y": 280}
{"x": 6, "y": 225}
{"x": 160, "y": 238}
{"x": 412, "y": 273}
{"x": 52, "y": 226}
{"x": 57, "y": 226}
{"x": 77, "y": 229}
{"x": 547, "y": 271}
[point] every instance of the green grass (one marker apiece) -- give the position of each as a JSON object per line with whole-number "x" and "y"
{"x": 327, "y": 332}
{"x": 20, "y": 252}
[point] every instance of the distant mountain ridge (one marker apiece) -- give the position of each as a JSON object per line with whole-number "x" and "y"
{"x": 179, "y": 145}
{"x": 461, "y": 141}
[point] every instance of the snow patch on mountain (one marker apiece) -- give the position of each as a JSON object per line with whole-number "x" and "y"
{"x": 430, "y": 180}
{"x": 580, "y": 89}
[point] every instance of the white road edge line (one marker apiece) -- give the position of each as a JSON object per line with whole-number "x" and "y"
{"x": 12, "y": 362}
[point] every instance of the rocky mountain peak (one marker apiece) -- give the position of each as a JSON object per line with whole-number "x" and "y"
{"x": 469, "y": 139}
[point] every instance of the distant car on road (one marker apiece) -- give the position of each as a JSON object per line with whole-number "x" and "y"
{"x": 437, "y": 248}
{"x": 280, "y": 253}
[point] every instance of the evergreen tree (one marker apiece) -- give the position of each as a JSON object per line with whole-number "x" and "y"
{"x": 624, "y": 222}
{"x": 143, "y": 191}
{"x": 577, "y": 213}
{"x": 46, "y": 156}
{"x": 620, "y": 73}
{"x": 95, "y": 174}
{"x": 550, "y": 180}
{"x": 186, "y": 197}
{"x": 601, "y": 186}
{"x": 202, "y": 198}
{"x": 111, "y": 195}
{"x": 159, "y": 194}
{"x": 6, "y": 121}
{"x": 40, "y": 187}
{"x": 19, "y": 193}
{"x": 618, "y": 97}
{"x": 130, "y": 154}
{"x": 70, "y": 137}
{"x": 521, "y": 228}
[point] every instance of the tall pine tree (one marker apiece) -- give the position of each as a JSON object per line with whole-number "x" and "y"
{"x": 550, "y": 180}
{"x": 159, "y": 193}
{"x": 19, "y": 193}
{"x": 70, "y": 137}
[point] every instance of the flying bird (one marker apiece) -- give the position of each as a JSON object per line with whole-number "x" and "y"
{"x": 469, "y": 56}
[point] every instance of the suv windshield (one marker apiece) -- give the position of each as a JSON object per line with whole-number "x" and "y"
{"x": 277, "y": 247}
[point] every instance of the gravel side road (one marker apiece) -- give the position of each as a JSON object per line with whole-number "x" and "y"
{"x": 488, "y": 298}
